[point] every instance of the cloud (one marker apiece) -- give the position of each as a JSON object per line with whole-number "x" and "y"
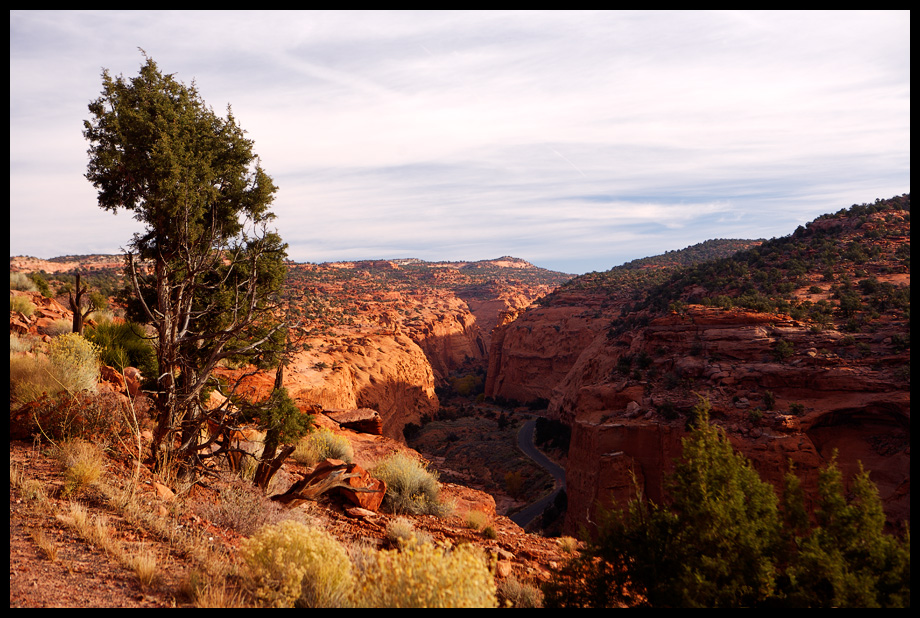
{"x": 586, "y": 138}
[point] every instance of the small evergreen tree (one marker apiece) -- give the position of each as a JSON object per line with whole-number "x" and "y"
{"x": 724, "y": 542}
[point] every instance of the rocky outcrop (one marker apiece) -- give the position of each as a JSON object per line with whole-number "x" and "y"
{"x": 810, "y": 402}
{"x": 531, "y": 355}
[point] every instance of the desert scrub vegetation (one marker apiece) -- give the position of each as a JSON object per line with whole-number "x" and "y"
{"x": 83, "y": 464}
{"x": 423, "y": 575}
{"x": 71, "y": 365}
{"x": 123, "y": 344}
{"x": 21, "y": 304}
{"x": 323, "y": 444}
{"x": 241, "y": 507}
{"x": 402, "y": 533}
{"x": 515, "y": 593}
{"x": 21, "y": 282}
{"x": 293, "y": 565}
{"x": 411, "y": 487}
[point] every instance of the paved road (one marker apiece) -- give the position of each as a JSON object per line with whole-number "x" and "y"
{"x": 534, "y": 510}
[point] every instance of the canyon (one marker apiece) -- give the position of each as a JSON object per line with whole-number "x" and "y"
{"x": 799, "y": 344}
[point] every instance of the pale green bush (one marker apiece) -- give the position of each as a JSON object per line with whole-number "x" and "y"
{"x": 423, "y": 575}
{"x": 18, "y": 344}
{"x": 61, "y": 326}
{"x": 19, "y": 281}
{"x": 22, "y": 305}
{"x": 291, "y": 564}
{"x": 323, "y": 444}
{"x": 402, "y": 533}
{"x": 71, "y": 365}
{"x": 411, "y": 487}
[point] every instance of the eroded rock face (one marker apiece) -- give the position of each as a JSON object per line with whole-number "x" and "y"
{"x": 858, "y": 406}
{"x": 532, "y": 354}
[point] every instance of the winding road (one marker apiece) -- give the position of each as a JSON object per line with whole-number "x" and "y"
{"x": 535, "y": 509}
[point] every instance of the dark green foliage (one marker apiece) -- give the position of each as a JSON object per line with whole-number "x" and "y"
{"x": 783, "y": 350}
{"x": 846, "y": 560}
{"x": 191, "y": 178}
{"x": 123, "y": 345}
{"x": 724, "y": 541}
{"x": 552, "y": 434}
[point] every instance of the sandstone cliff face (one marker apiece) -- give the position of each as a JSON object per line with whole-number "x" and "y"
{"x": 448, "y": 333}
{"x": 858, "y": 406}
{"x": 532, "y": 354}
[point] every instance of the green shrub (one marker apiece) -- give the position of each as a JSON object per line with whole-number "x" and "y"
{"x": 426, "y": 576}
{"x": 61, "y": 326}
{"x": 291, "y": 564}
{"x": 124, "y": 345}
{"x": 323, "y": 444}
{"x": 22, "y": 305}
{"x": 411, "y": 487}
{"x": 18, "y": 344}
{"x": 402, "y": 533}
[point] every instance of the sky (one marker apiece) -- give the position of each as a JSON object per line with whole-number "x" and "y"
{"x": 575, "y": 140}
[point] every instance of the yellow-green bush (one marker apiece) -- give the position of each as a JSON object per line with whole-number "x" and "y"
{"x": 291, "y": 564}
{"x": 22, "y": 305}
{"x": 411, "y": 487}
{"x": 423, "y": 575}
{"x": 71, "y": 365}
{"x": 323, "y": 444}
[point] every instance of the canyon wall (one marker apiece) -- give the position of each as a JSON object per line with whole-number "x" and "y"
{"x": 625, "y": 418}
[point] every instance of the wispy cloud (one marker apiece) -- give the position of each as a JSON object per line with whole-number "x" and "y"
{"x": 577, "y": 140}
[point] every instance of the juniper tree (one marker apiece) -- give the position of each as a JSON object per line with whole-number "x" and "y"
{"x": 205, "y": 269}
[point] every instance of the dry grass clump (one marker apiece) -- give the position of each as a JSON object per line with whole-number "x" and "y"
{"x": 323, "y": 444}
{"x": 567, "y": 544}
{"x": 20, "y": 344}
{"x": 402, "y": 533}
{"x": 476, "y": 520}
{"x": 144, "y": 565}
{"x": 291, "y": 564}
{"x": 45, "y": 544}
{"x": 423, "y": 575}
{"x": 83, "y": 465}
{"x": 515, "y": 593}
{"x": 241, "y": 507}
{"x": 411, "y": 487}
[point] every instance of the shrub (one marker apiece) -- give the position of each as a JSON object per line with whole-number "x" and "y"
{"x": 476, "y": 520}
{"x": 71, "y": 366}
{"x": 323, "y": 444}
{"x": 411, "y": 487}
{"x": 19, "y": 281}
{"x": 426, "y": 576}
{"x": 123, "y": 345}
{"x": 291, "y": 564}
{"x": 22, "y": 305}
{"x": 19, "y": 344}
{"x": 61, "y": 326}
{"x": 515, "y": 593}
{"x": 402, "y": 533}
{"x": 240, "y": 507}
{"x": 83, "y": 465}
